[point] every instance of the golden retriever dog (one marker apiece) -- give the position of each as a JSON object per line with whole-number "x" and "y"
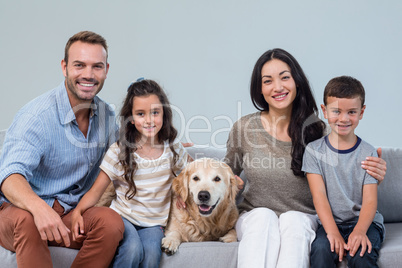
{"x": 209, "y": 188}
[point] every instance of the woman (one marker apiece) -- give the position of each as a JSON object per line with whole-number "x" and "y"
{"x": 278, "y": 222}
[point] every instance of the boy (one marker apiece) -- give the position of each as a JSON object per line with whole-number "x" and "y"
{"x": 344, "y": 195}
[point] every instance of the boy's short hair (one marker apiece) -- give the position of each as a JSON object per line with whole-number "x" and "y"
{"x": 344, "y": 87}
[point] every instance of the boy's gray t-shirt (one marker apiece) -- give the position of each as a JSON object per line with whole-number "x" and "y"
{"x": 343, "y": 176}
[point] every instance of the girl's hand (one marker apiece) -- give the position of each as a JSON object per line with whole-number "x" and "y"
{"x": 180, "y": 204}
{"x": 356, "y": 239}
{"x": 77, "y": 226}
{"x": 337, "y": 244}
{"x": 376, "y": 166}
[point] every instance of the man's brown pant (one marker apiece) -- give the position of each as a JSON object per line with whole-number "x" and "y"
{"x": 103, "y": 227}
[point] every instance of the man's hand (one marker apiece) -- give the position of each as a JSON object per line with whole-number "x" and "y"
{"x": 50, "y": 225}
{"x": 187, "y": 144}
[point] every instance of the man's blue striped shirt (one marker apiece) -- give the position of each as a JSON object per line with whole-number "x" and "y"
{"x": 45, "y": 145}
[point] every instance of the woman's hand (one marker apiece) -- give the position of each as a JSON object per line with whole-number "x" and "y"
{"x": 376, "y": 166}
{"x": 240, "y": 182}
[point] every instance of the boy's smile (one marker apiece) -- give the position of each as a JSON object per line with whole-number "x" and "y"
{"x": 343, "y": 115}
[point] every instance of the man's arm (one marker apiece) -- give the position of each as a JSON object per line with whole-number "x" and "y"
{"x": 367, "y": 213}
{"x": 50, "y": 226}
{"x": 321, "y": 204}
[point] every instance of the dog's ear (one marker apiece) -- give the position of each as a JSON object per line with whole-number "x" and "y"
{"x": 180, "y": 185}
{"x": 233, "y": 185}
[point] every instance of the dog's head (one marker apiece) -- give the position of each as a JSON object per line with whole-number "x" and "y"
{"x": 207, "y": 183}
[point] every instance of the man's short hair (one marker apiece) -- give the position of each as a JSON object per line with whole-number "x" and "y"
{"x": 85, "y": 37}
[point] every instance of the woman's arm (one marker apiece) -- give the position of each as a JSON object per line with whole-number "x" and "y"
{"x": 367, "y": 213}
{"x": 321, "y": 204}
{"x": 375, "y": 166}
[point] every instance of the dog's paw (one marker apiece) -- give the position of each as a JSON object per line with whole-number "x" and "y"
{"x": 170, "y": 245}
{"x": 230, "y": 237}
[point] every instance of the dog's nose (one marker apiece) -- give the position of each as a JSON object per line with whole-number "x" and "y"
{"x": 203, "y": 196}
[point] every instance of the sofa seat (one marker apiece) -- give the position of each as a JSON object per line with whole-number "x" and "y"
{"x": 191, "y": 254}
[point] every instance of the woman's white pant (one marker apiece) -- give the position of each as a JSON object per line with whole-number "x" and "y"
{"x": 269, "y": 241}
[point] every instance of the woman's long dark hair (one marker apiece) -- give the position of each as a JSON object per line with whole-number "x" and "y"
{"x": 129, "y": 135}
{"x": 305, "y": 125}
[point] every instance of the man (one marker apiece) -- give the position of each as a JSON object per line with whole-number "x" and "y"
{"x": 50, "y": 158}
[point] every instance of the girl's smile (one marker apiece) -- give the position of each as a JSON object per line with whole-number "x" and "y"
{"x": 147, "y": 116}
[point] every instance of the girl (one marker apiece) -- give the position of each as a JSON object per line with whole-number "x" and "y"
{"x": 277, "y": 201}
{"x": 141, "y": 165}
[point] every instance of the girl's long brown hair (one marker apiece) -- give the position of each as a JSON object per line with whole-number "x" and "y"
{"x": 129, "y": 135}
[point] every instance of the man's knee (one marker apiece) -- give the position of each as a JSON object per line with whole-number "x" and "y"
{"x": 17, "y": 227}
{"x": 22, "y": 221}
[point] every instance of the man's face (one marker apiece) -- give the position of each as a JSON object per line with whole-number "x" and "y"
{"x": 85, "y": 71}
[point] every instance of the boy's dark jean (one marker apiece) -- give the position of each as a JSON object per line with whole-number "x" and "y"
{"x": 321, "y": 255}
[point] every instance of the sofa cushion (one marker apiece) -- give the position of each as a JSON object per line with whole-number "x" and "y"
{"x": 390, "y": 190}
{"x": 202, "y": 254}
{"x": 61, "y": 257}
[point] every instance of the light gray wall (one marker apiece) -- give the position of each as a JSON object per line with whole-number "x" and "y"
{"x": 203, "y": 52}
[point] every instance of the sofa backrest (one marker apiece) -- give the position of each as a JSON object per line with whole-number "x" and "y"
{"x": 390, "y": 190}
{"x": 212, "y": 152}
{"x": 2, "y": 136}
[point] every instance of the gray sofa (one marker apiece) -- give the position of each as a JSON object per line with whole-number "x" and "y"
{"x": 217, "y": 254}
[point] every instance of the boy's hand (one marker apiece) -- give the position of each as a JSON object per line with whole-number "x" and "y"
{"x": 357, "y": 238}
{"x": 337, "y": 244}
